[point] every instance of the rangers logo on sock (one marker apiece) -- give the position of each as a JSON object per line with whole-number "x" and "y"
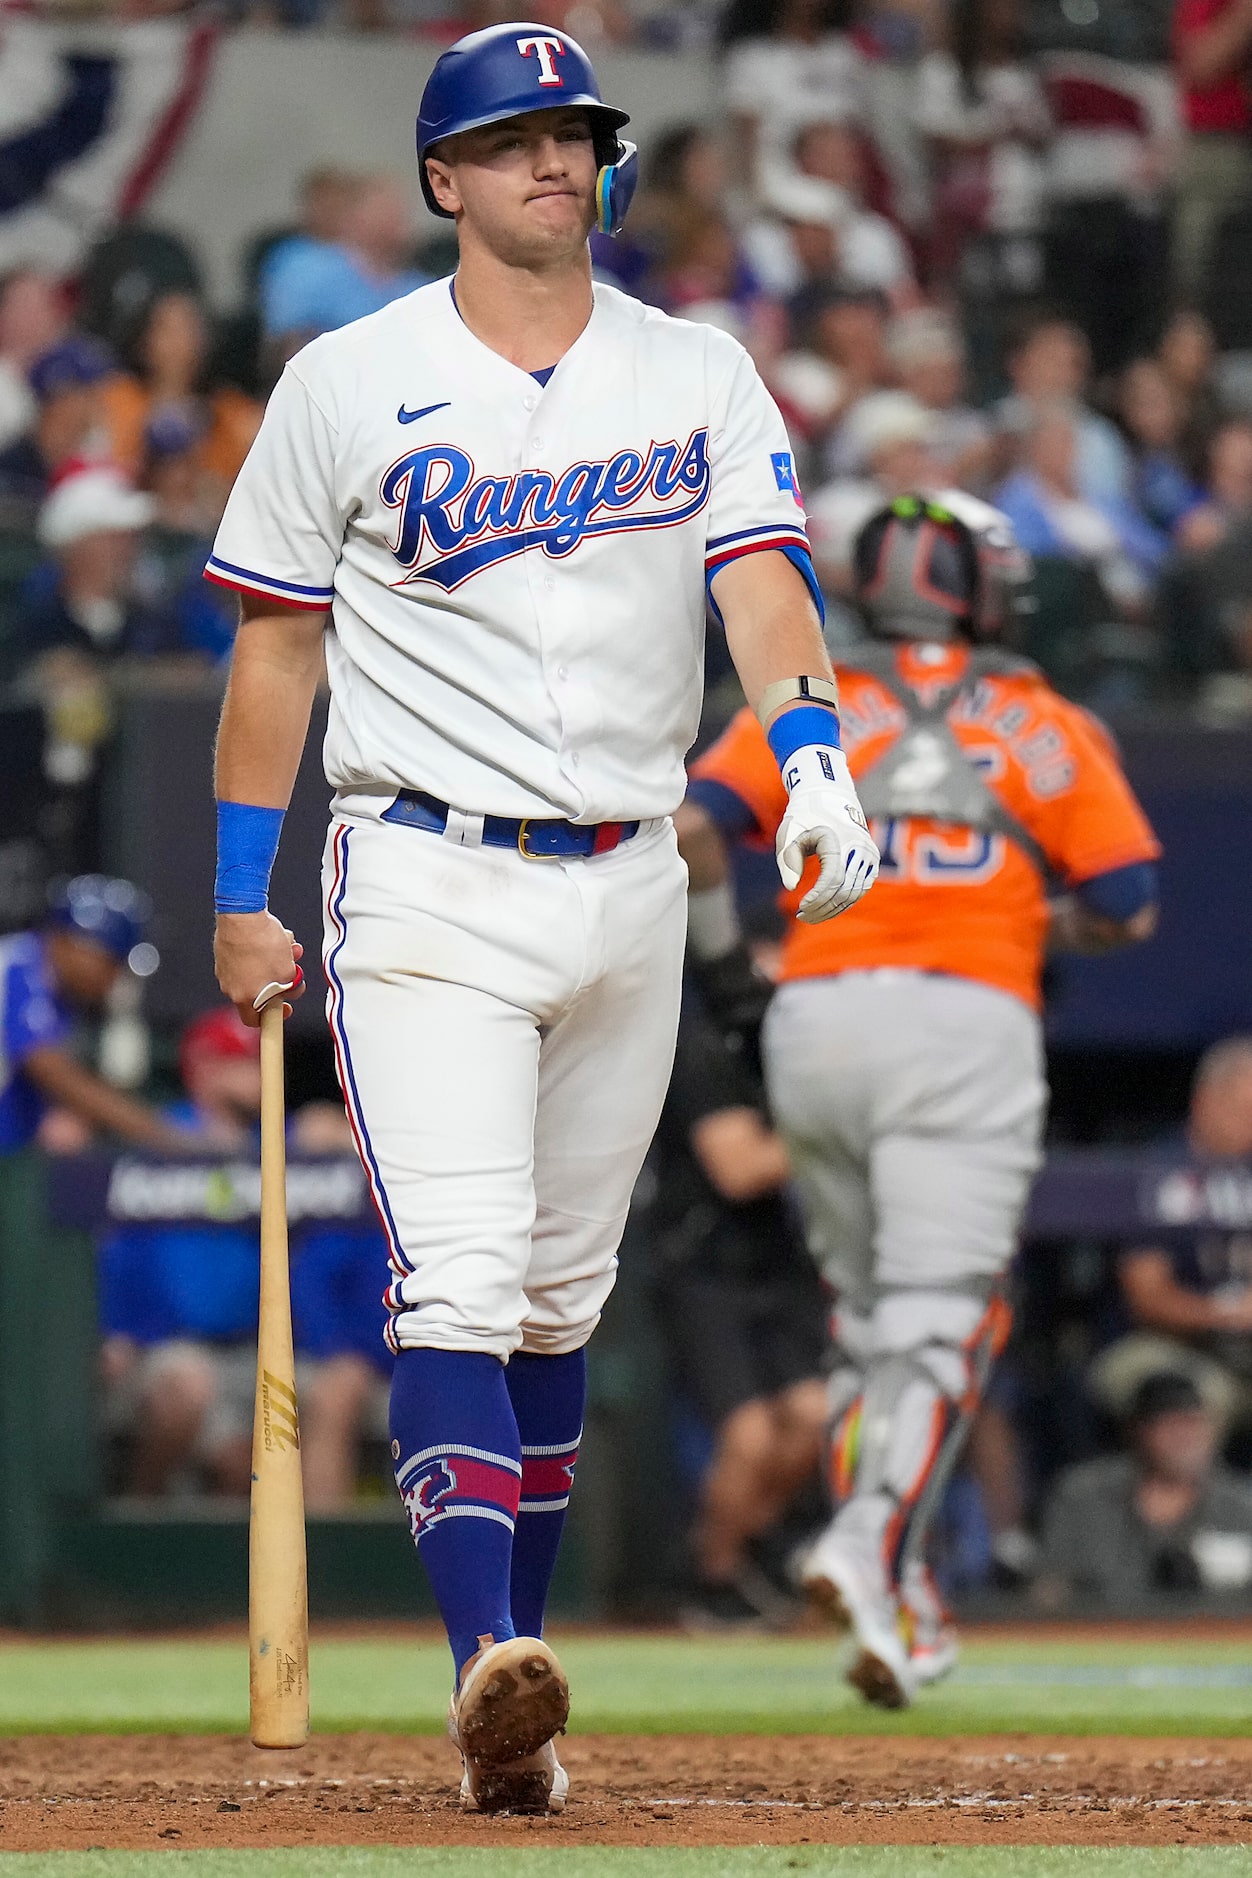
{"x": 458, "y": 1483}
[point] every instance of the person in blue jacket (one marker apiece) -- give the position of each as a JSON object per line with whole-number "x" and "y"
{"x": 93, "y": 933}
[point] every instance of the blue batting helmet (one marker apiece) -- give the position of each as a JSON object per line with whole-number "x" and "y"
{"x": 111, "y": 913}
{"x": 506, "y": 70}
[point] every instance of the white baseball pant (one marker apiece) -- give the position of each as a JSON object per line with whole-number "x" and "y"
{"x": 912, "y": 1104}
{"x": 504, "y": 1032}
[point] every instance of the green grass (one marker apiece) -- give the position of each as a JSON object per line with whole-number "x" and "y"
{"x": 617, "y": 1862}
{"x": 648, "y": 1685}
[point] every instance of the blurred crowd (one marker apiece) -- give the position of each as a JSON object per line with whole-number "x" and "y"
{"x": 1110, "y": 1466}
{"x": 1000, "y": 245}
{"x": 178, "y": 1308}
{"x": 993, "y": 244}
{"x": 126, "y": 409}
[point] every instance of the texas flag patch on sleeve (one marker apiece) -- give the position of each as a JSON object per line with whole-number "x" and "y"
{"x": 785, "y": 475}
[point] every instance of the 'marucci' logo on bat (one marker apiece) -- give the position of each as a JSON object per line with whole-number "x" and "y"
{"x": 454, "y": 524}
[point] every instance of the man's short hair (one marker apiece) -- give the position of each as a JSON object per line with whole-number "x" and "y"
{"x": 1220, "y": 1060}
{"x": 1024, "y": 330}
{"x": 1164, "y": 1392}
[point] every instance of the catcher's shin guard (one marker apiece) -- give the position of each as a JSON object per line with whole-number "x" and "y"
{"x": 934, "y": 1355}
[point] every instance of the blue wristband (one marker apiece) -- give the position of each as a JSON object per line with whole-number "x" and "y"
{"x": 802, "y": 725}
{"x": 247, "y": 841}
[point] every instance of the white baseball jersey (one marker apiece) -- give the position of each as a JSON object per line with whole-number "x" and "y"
{"x": 517, "y": 572}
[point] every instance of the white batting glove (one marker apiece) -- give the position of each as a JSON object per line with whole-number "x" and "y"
{"x": 824, "y": 818}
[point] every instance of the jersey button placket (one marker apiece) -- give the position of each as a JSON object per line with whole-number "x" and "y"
{"x": 544, "y": 578}
{"x": 556, "y": 668}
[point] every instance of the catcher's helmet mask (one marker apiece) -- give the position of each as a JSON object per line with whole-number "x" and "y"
{"x": 930, "y": 567}
{"x": 509, "y": 71}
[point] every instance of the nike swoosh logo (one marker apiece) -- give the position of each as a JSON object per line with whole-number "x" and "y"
{"x": 411, "y": 417}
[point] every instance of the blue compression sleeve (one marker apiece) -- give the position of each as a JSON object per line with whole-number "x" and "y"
{"x": 247, "y": 841}
{"x": 1122, "y": 892}
{"x": 800, "y": 726}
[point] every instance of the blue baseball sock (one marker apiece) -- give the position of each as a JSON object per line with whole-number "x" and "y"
{"x": 549, "y": 1394}
{"x": 458, "y": 1467}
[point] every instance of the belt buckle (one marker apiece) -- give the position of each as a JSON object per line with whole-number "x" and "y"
{"x": 523, "y": 839}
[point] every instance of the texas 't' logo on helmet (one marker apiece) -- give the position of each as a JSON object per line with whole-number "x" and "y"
{"x": 545, "y": 49}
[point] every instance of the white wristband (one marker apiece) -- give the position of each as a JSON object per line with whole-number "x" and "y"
{"x": 816, "y": 765}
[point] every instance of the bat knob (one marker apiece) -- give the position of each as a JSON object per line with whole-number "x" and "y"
{"x": 268, "y": 993}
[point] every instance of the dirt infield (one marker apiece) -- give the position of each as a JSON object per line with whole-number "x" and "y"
{"x": 150, "y": 1790}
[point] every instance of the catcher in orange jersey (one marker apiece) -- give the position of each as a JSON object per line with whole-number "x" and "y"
{"x": 902, "y": 1050}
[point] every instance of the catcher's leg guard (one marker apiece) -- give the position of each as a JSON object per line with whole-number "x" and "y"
{"x": 933, "y": 1352}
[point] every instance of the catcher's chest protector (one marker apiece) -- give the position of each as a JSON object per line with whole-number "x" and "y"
{"x": 926, "y": 772}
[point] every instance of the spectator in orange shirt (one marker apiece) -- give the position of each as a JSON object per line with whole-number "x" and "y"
{"x": 166, "y": 357}
{"x": 902, "y": 1052}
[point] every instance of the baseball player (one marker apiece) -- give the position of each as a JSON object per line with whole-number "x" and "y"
{"x": 92, "y": 935}
{"x": 902, "y": 1051}
{"x": 500, "y": 503}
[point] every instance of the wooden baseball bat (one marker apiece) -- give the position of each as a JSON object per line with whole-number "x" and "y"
{"x": 278, "y": 1606}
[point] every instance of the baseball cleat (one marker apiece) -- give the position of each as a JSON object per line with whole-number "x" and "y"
{"x": 932, "y": 1662}
{"x": 537, "y": 1783}
{"x": 513, "y": 1698}
{"x": 854, "y": 1593}
{"x": 933, "y": 1646}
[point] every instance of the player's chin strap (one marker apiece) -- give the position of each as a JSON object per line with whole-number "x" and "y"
{"x": 615, "y": 189}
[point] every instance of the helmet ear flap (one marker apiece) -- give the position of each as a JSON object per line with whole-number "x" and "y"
{"x": 615, "y": 189}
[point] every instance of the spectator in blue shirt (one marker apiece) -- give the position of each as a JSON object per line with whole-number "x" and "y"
{"x": 67, "y": 382}
{"x": 1052, "y": 518}
{"x": 94, "y": 932}
{"x": 1152, "y": 414}
{"x": 324, "y": 198}
{"x": 178, "y": 1304}
{"x": 1050, "y": 367}
{"x": 311, "y": 287}
{"x": 1188, "y": 1299}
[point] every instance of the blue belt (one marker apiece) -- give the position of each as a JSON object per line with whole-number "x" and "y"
{"x": 536, "y": 840}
